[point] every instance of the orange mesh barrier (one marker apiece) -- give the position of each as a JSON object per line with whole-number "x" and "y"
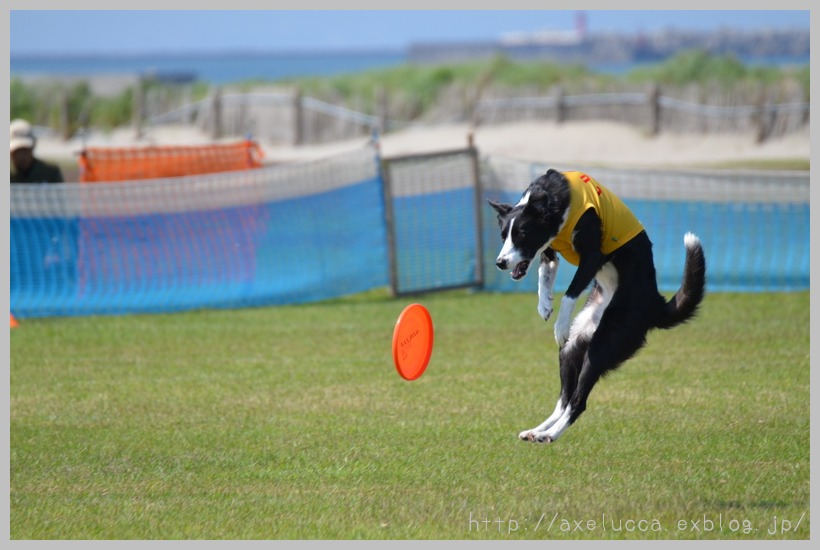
{"x": 98, "y": 164}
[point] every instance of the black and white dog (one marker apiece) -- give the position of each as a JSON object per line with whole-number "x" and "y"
{"x": 572, "y": 214}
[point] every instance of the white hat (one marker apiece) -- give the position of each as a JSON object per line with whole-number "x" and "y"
{"x": 21, "y": 135}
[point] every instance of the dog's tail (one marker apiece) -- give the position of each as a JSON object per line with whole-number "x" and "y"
{"x": 684, "y": 304}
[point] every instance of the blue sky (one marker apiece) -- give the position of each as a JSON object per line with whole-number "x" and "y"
{"x": 33, "y": 32}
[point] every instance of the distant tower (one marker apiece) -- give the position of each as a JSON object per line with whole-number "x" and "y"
{"x": 581, "y": 24}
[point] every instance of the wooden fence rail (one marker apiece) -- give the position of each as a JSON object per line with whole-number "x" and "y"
{"x": 289, "y": 117}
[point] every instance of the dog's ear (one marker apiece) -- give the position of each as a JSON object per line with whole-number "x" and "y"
{"x": 501, "y": 209}
{"x": 538, "y": 202}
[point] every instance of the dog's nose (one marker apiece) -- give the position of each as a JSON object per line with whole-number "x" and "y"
{"x": 501, "y": 263}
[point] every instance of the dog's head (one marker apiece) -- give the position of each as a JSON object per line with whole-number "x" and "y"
{"x": 529, "y": 226}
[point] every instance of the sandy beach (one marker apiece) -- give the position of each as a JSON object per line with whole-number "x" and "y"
{"x": 577, "y": 143}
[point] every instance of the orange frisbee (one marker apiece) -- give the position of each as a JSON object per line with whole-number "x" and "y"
{"x": 413, "y": 341}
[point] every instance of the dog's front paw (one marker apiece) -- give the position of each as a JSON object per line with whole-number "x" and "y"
{"x": 545, "y": 310}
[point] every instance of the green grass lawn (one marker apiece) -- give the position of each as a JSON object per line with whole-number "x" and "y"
{"x": 291, "y": 422}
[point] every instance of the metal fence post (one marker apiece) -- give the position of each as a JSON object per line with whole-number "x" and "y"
{"x": 479, "y": 218}
{"x": 387, "y": 209}
{"x": 390, "y": 226}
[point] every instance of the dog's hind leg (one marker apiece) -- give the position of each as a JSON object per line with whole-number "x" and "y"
{"x": 619, "y": 335}
{"x": 529, "y": 435}
{"x": 609, "y": 348}
{"x": 571, "y": 358}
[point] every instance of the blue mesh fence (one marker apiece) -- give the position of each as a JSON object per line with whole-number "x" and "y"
{"x": 271, "y": 236}
{"x": 317, "y": 230}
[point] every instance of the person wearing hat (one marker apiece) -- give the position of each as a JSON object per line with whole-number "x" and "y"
{"x": 26, "y": 168}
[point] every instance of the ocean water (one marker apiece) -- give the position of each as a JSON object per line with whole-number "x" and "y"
{"x": 237, "y": 67}
{"x": 213, "y": 69}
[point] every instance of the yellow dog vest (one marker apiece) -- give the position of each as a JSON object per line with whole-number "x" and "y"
{"x": 618, "y": 224}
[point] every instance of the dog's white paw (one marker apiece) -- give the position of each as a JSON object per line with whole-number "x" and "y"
{"x": 535, "y": 437}
{"x": 545, "y": 310}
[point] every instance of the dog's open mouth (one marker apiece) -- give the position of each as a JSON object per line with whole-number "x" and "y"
{"x": 520, "y": 270}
